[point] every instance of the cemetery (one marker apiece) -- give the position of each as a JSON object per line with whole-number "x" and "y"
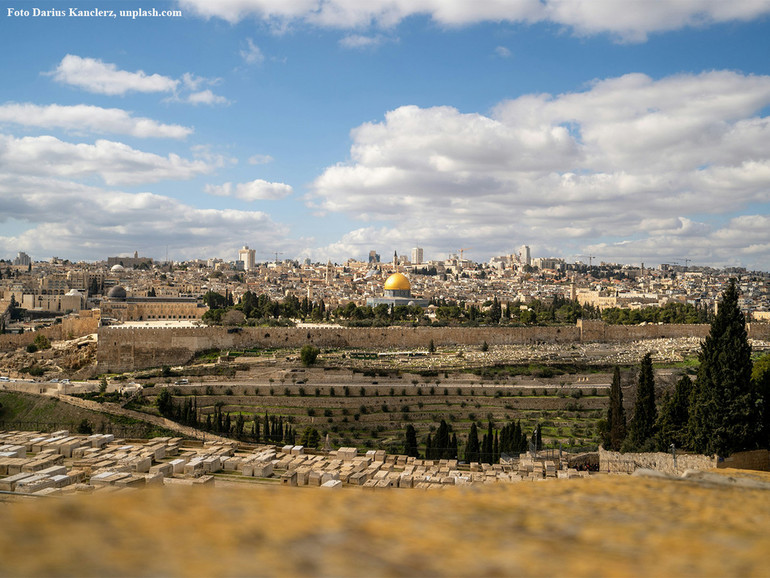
{"x": 40, "y": 464}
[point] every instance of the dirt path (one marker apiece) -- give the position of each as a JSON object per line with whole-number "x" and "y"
{"x": 114, "y": 409}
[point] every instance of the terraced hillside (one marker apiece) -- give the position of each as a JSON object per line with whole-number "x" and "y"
{"x": 371, "y": 409}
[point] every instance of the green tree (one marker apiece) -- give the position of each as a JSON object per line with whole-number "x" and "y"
{"x": 472, "y": 448}
{"x": 723, "y": 412}
{"x": 674, "y": 416}
{"x": 165, "y": 403}
{"x": 103, "y": 385}
{"x": 310, "y": 437}
{"x": 760, "y": 377}
{"x": 495, "y": 311}
{"x": 616, "y": 415}
{"x": 410, "y": 445}
{"x": 308, "y": 354}
{"x": 642, "y": 429}
{"x": 42, "y": 341}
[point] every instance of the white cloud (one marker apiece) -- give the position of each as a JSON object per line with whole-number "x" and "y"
{"x": 113, "y": 162}
{"x": 359, "y": 41}
{"x": 256, "y": 190}
{"x": 103, "y": 78}
{"x": 503, "y": 52}
{"x": 629, "y": 158}
{"x": 252, "y": 53}
{"x": 206, "y": 97}
{"x": 81, "y": 118}
{"x": 99, "y": 77}
{"x": 628, "y": 20}
{"x": 260, "y": 159}
{"x": 74, "y": 219}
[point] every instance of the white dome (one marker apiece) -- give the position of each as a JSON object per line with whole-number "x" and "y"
{"x": 117, "y": 268}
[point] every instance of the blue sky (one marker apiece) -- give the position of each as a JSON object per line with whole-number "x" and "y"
{"x": 634, "y": 131}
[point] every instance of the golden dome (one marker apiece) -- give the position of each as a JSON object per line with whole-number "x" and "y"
{"x": 397, "y": 282}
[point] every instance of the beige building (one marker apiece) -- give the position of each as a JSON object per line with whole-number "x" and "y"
{"x": 117, "y": 305}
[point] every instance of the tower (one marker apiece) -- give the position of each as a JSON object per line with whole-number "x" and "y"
{"x": 248, "y": 256}
{"x": 524, "y": 256}
{"x": 417, "y": 256}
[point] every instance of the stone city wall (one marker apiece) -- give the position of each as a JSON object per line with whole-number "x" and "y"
{"x": 617, "y": 463}
{"x": 71, "y": 327}
{"x": 125, "y": 349}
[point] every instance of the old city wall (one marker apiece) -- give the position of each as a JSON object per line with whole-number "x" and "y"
{"x": 70, "y": 327}
{"x": 126, "y": 349}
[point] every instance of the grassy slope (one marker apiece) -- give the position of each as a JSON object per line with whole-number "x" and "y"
{"x": 29, "y": 411}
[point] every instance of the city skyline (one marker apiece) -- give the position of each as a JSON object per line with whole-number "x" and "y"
{"x": 626, "y": 131}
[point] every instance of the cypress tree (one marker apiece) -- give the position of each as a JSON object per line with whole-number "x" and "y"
{"x": 616, "y": 415}
{"x": 723, "y": 412}
{"x": 642, "y": 429}
{"x": 674, "y": 416}
{"x": 442, "y": 441}
{"x": 760, "y": 377}
{"x": 472, "y": 447}
{"x": 410, "y": 446}
{"x": 429, "y": 448}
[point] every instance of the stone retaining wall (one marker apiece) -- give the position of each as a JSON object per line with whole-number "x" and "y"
{"x": 617, "y": 463}
{"x": 754, "y": 460}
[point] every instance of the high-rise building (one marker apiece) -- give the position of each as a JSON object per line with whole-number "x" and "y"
{"x": 374, "y": 256}
{"x": 22, "y": 259}
{"x": 417, "y": 256}
{"x": 524, "y": 256}
{"x": 248, "y": 256}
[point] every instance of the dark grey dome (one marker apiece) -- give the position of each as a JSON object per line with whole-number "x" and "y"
{"x": 117, "y": 292}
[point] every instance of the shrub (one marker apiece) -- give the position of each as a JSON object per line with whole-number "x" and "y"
{"x": 42, "y": 342}
{"x": 308, "y": 354}
{"x": 32, "y": 348}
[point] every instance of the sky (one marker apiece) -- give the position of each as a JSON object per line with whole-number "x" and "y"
{"x": 631, "y": 131}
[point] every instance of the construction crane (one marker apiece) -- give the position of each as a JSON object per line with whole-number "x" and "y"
{"x": 276, "y": 255}
{"x": 463, "y": 251}
{"x": 590, "y": 259}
